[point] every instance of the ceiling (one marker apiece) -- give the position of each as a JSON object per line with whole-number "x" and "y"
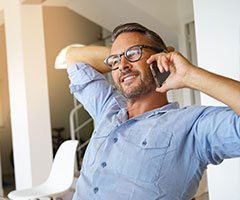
{"x": 162, "y": 16}
{"x": 159, "y": 15}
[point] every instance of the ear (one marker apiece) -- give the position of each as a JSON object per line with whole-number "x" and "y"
{"x": 170, "y": 49}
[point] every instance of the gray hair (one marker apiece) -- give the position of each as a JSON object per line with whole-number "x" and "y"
{"x": 135, "y": 27}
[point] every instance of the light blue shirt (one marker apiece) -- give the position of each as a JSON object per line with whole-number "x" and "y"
{"x": 160, "y": 154}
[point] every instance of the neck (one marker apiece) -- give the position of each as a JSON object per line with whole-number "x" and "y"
{"x": 146, "y": 103}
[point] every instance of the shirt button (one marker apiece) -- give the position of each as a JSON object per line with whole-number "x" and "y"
{"x": 144, "y": 143}
{"x": 103, "y": 164}
{"x": 95, "y": 190}
{"x": 115, "y": 140}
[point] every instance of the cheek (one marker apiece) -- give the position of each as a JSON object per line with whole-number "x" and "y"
{"x": 115, "y": 76}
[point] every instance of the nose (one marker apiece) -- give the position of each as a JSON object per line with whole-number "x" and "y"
{"x": 124, "y": 64}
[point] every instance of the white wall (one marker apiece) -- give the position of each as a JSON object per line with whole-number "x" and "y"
{"x": 218, "y": 43}
{"x": 30, "y": 119}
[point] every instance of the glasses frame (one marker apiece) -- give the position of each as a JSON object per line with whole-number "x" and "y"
{"x": 156, "y": 49}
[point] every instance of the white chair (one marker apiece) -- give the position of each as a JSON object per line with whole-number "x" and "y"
{"x": 60, "y": 178}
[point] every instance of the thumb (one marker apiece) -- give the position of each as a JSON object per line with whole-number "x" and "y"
{"x": 162, "y": 89}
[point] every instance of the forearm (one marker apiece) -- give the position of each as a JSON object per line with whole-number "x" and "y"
{"x": 184, "y": 74}
{"x": 219, "y": 87}
{"x": 93, "y": 55}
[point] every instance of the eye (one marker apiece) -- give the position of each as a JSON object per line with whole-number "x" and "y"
{"x": 113, "y": 60}
{"x": 133, "y": 53}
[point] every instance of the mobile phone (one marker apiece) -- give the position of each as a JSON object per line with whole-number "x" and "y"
{"x": 159, "y": 77}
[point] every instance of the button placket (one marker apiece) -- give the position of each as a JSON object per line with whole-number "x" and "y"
{"x": 144, "y": 143}
{"x": 103, "y": 164}
{"x": 115, "y": 140}
{"x": 95, "y": 190}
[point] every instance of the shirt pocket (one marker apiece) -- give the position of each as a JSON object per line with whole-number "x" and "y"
{"x": 143, "y": 155}
{"x": 98, "y": 138}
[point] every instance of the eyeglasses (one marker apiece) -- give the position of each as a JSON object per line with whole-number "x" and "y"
{"x": 132, "y": 54}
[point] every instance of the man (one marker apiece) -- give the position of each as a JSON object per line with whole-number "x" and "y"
{"x": 143, "y": 147}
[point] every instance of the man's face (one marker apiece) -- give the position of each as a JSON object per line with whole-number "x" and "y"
{"x": 133, "y": 79}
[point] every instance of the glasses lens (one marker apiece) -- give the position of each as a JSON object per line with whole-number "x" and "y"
{"x": 113, "y": 61}
{"x": 134, "y": 53}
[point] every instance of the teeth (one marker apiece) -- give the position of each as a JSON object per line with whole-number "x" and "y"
{"x": 128, "y": 78}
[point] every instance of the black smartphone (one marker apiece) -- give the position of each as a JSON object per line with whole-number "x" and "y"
{"x": 159, "y": 77}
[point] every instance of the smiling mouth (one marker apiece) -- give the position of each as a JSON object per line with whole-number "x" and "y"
{"x": 128, "y": 77}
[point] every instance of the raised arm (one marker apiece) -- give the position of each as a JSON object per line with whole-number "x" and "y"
{"x": 219, "y": 87}
{"x": 184, "y": 74}
{"x": 93, "y": 55}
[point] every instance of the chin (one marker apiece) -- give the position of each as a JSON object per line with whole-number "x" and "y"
{"x": 133, "y": 93}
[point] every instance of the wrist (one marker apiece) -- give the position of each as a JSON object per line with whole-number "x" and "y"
{"x": 190, "y": 76}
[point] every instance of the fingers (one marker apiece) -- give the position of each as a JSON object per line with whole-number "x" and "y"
{"x": 161, "y": 89}
{"x": 163, "y": 61}
{"x": 163, "y": 64}
{"x": 177, "y": 64}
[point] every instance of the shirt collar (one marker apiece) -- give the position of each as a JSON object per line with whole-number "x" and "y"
{"x": 168, "y": 107}
{"x": 157, "y": 111}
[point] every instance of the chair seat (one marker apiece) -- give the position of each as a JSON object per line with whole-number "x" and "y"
{"x": 44, "y": 190}
{"x": 60, "y": 178}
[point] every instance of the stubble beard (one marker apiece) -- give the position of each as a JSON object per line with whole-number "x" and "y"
{"x": 145, "y": 86}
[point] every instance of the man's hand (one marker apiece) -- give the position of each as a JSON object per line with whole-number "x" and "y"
{"x": 178, "y": 66}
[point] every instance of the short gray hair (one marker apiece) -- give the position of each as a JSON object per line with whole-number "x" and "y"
{"x": 135, "y": 27}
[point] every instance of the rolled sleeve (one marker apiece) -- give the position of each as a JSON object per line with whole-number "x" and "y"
{"x": 93, "y": 90}
{"x": 217, "y": 131}
{"x": 80, "y": 75}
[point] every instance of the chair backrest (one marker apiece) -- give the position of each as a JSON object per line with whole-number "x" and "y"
{"x": 62, "y": 172}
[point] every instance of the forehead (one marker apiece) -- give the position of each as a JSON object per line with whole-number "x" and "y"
{"x": 126, "y": 40}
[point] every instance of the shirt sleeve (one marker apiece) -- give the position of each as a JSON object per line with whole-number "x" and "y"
{"x": 93, "y": 90}
{"x": 217, "y": 134}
